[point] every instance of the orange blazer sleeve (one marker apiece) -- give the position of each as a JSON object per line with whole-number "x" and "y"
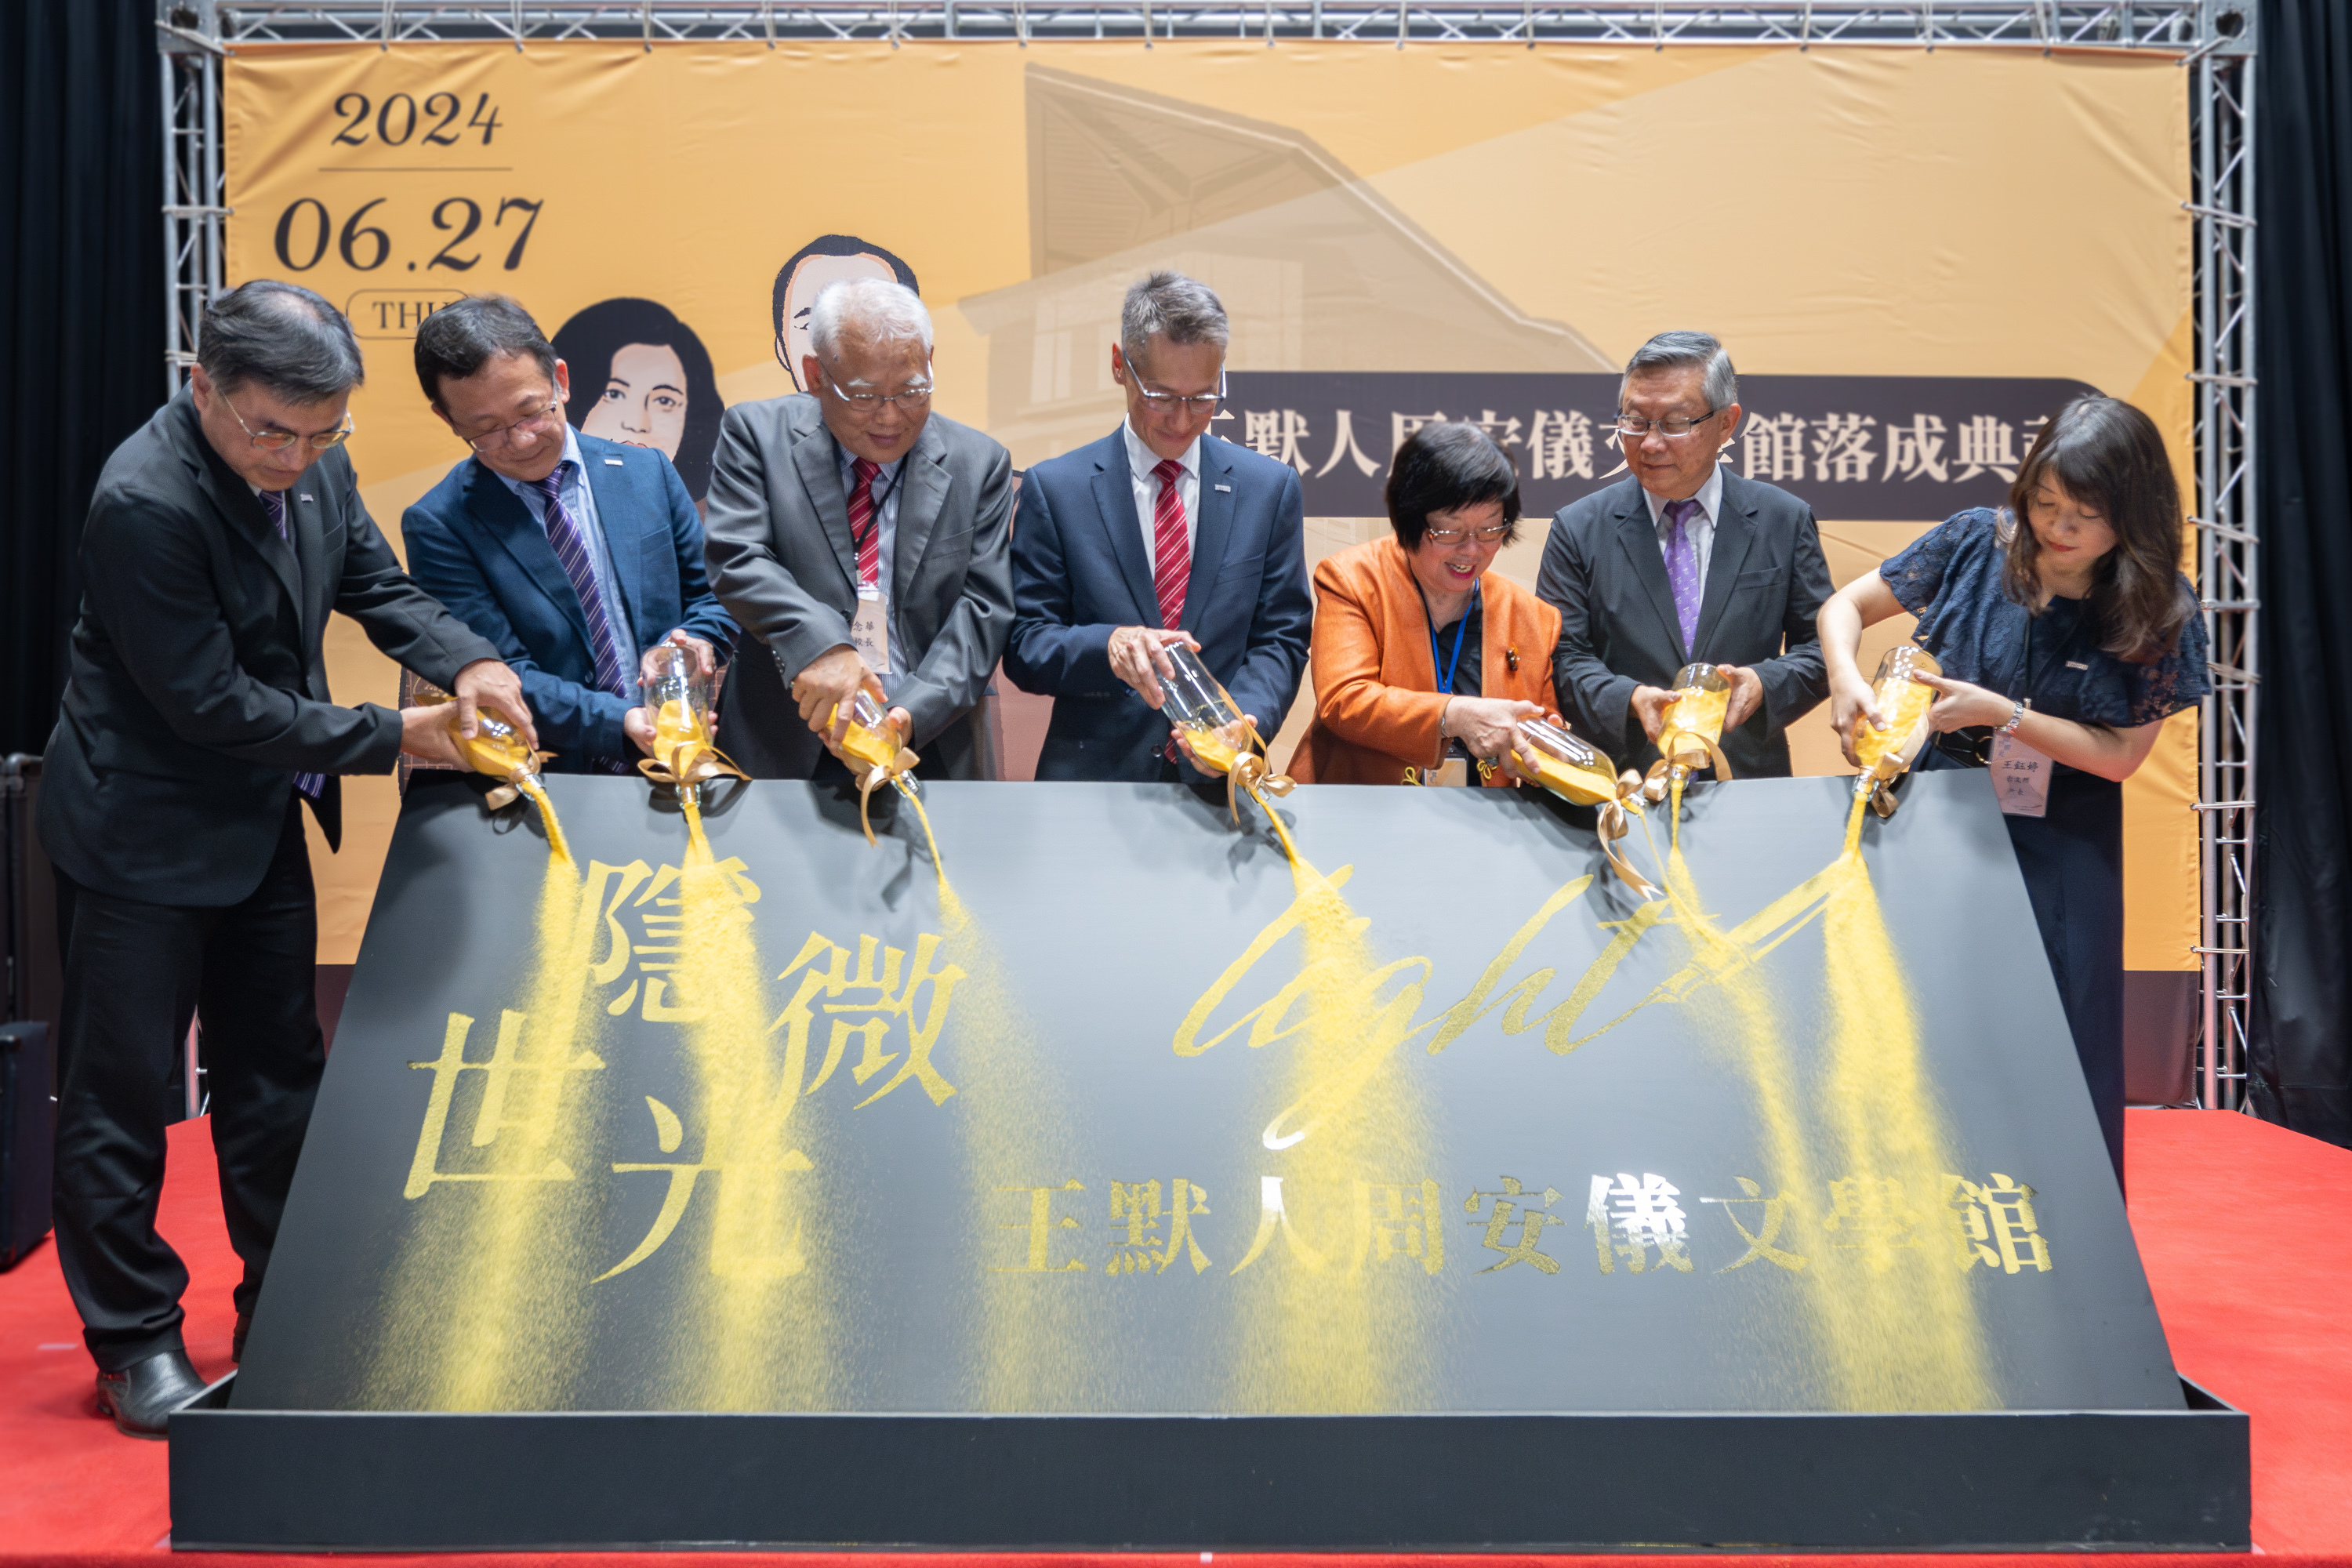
{"x": 1371, "y": 682}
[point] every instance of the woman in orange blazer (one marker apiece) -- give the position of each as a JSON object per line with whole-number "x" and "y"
{"x": 1421, "y": 654}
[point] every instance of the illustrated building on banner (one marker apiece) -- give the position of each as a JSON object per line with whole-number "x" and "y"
{"x": 1310, "y": 262}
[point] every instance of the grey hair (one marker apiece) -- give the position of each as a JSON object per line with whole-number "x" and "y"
{"x": 290, "y": 341}
{"x": 1671, "y": 351}
{"x": 884, "y": 309}
{"x": 1171, "y": 304}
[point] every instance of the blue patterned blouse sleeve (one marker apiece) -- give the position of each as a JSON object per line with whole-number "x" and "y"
{"x": 2179, "y": 680}
{"x": 1918, "y": 573}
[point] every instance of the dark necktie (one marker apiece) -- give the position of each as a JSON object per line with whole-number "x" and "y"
{"x": 865, "y": 528}
{"x": 1171, "y": 554}
{"x": 1681, "y": 570}
{"x": 570, "y": 541}
{"x": 274, "y": 503}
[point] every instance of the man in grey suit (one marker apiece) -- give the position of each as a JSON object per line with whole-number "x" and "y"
{"x": 1685, "y": 563}
{"x": 863, "y": 541}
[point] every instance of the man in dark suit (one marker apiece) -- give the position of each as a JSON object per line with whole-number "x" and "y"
{"x": 861, "y": 539}
{"x": 575, "y": 555}
{"x": 1157, "y": 533}
{"x": 1685, "y": 563}
{"x": 195, "y": 720}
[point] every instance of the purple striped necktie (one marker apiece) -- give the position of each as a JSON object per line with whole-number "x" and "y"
{"x": 570, "y": 541}
{"x": 1681, "y": 570}
{"x": 274, "y": 502}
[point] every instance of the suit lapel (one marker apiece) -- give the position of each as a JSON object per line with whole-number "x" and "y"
{"x": 819, "y": 464}
{"x": 505, "y": 519}
{"x": 1639, "y": 537}
{"x": 925, "y": 495}
{"x": 1734, "y": 530}
{"x": 623, "y": 522}
{"x": 1115, "y": 504}
{"x": 1215, "y": 529}
{"x": 305, "y": 520}
{"x": 247, "y": 517}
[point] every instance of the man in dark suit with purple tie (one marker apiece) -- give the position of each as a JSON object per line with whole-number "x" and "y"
{"x": 1685, "y": 563}
{"x": 575, "y": 555}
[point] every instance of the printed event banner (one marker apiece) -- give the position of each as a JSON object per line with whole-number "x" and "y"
{"x": 1913, "y": 258}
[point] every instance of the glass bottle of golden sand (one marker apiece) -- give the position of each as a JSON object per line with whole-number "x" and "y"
{"x": 496, "y": 749}
{"x": 1695, "y": 722}
{"x": 868, "y": 739}
{"x": 1197, "y": 702}
{"x": 1566, "y": 765}
{"x": 1903, "y": 702}
{"x": 679, "y": 696}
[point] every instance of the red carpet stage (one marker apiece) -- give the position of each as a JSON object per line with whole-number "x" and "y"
{"x": 2246, "y": 1231}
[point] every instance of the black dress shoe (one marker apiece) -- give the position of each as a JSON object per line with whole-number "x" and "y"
{"x": 236, "y": 1340}
{"x": 143, "y": 1396}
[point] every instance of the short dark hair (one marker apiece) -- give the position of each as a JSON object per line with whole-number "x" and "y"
{"x": 834, "y": 245}
{"x": 587, "y": 342}
{"x": 2107, "y": 454}
{"x": 1443, "y": 467}
{"x": 290, "y": 341}
{"x": 461, "y": 337}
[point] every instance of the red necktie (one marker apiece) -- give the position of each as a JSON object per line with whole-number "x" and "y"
{"x": 863, "y": 528}
{"x": 1171, "y": 556}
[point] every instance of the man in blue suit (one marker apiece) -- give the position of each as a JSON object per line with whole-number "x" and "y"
{"x": 575, "y": 555}
{"x": 1157, "y": 533}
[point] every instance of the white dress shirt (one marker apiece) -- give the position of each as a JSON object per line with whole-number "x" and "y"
{"x": 1140, "y": 461}
{"x": 1699, "y": 528}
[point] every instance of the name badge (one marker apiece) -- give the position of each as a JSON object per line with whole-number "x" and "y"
{"x": 1452, "y": 771}
{"x": 2021, "y": 777}
{"x": 869, "y": 632}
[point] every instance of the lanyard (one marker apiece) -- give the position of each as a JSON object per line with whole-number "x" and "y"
{"x": 1436, "y": 661}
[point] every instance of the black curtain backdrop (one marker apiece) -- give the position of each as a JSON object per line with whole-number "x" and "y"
{"x": 81, "y": 307}
{"x": 2301, "y": 1067}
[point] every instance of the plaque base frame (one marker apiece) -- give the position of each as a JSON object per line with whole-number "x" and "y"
{"x": 1991, "y": 1481}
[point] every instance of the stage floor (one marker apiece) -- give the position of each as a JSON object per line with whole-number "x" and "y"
{"x": 2246, "y": 1232}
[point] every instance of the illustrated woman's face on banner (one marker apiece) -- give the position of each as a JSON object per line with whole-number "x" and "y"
{"x": 810, "y": 279}
{"x": 643, "y": 400}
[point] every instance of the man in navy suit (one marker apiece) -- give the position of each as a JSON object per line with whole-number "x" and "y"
{"x": 575, "y": 555}
{"x": 1157, "y": 533}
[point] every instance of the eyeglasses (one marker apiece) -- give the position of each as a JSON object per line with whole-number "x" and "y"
{"x": 279, "y": 440}
{"x": 914, "y": 399}
{"x": 1206, "y": 403}
{"x": 1673, "y": 428}
{"x": 1449, "y": 536}
{"x": 504, "y": 434}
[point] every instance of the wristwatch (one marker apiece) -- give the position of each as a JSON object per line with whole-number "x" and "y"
{"x": 2016, "y": 717}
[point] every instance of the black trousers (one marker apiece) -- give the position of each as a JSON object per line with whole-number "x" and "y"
{"x": 2073, "y": 864}
{"x": 2073, "y": 859}
{"x": 133, "y": 972}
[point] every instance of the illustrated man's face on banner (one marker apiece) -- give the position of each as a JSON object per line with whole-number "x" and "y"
{"x": 810, "y": 279}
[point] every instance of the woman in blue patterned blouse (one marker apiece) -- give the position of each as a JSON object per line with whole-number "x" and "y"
{"x": 2065, "y": 644}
